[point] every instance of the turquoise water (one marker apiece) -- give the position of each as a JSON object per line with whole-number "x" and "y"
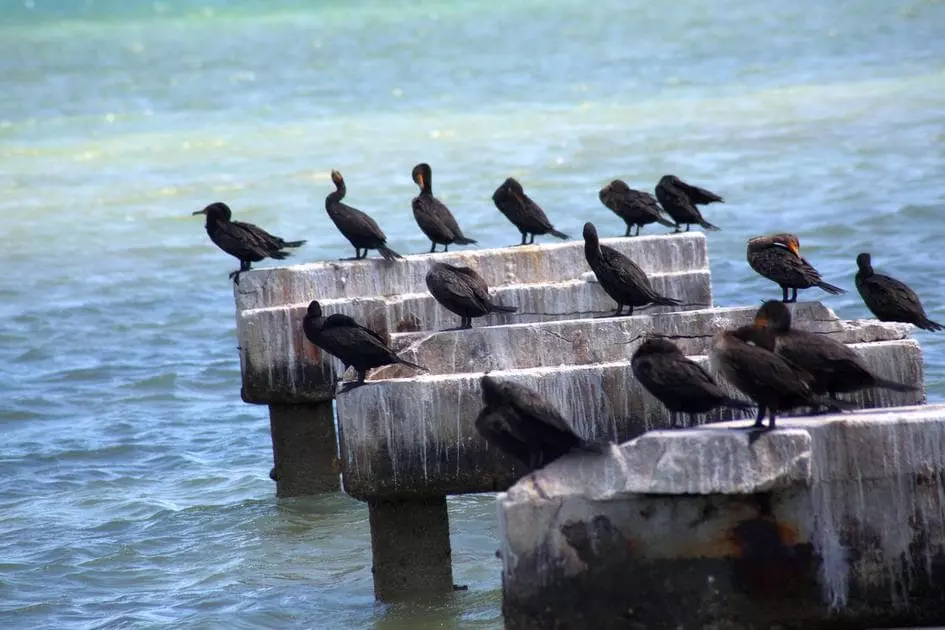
{"x": 133, "y": 482}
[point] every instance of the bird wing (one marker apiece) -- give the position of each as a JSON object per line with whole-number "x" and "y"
{"x": 261, "y": 236}
{"x": 894, "y": 295}
{"x": 699, "y": 195}
{"x": 465, "y": 284}
{"x": 679, "y": 376}
{"x": 672, "y": 197}
{"x": 531, "y": 406}
{"x": 359, "y": 225}
{"x": 766, "y": 369}
{"x": 433, "y": 216}
{"x": 237, "y": 241}
{"x": 626, "y": 271}
{"x": 531, "y": 213}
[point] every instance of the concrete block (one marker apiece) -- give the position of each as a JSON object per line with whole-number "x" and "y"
{"x": 415, "y": 437}
{"x": 304, "y": 449}
{"x": 832, "y": 521}
{"x": 279, "y": 365}
{"x": 532, "y": 264}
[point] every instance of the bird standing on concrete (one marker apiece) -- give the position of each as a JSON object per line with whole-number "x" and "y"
{"x": 619, "y": 276}
{"x": 635, "y": 207}
{"x": 433, "y": 217}
{"x": 520, "y": 423}
{"x": 778, "y": 258}
{"x": 889, "y": 299}
{"x": 680, "y": 199}
{"x": 462, "y": 291}
{"x": 356, "y": 346}
{"x": 356, "y": 226}
{"x": 746, "y": 359}
{"x": 525, "y": 214}
{"x": 681, "y": 384}
{"x": 244, "y": 241}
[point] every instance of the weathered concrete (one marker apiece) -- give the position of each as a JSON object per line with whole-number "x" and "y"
{"x": 279, "y": 365}
{"x": 533, "y": 264}
{"x": 833, "y": 521}
{"x": 304, "y": 449}
{"x": 410, "y": 546}
{"x": 416, "y": 437}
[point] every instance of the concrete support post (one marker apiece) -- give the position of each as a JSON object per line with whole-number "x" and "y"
{"x": 304, "y": 449}
{"x": 410, "y": 543}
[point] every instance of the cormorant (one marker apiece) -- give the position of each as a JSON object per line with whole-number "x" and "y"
{"x": 633, "y": 206}
{"x": 520, "y": 423}
{"x": 356, "y": 346}
{"x": 887, "y": 298}
{"x": 679, "y": 200}
{"x": 360, "y": 229}
{"x": 462, "y": 291}
{"x": 245, "y": 241}
{"x": 433, "y": 217}
{"x": 836, "y": 367}
{"x": 511, "y": 200}
{"x": 778, "y": 258}
{"x": 774, "y": 383}
{"x": 619, "y": 276}
{"x": 681, "y": 384}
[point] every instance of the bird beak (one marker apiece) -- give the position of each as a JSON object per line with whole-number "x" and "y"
{"x": 761, "y": 322}
{"x": 794, "y": 248}
{"x": 420, "y": 180}
{"x": 204, "y": 211}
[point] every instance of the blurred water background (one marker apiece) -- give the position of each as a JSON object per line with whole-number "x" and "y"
{"x": 133, "y": 482}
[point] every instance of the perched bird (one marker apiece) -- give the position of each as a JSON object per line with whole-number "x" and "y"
{"x": 746, "y": 360}
{"x": 887, "y": 298}
{"x": 462, "y": 291}
{"x": 360, "y": 229}
{"x": 511, "y": 200}
{"x": 836, "y": 368}
{"x": 633, "y": 206}
{"x": 356, "y": 346}
{"x": 679, "y": 200}
{"x": 778, "y": 258}
{"x": 244, "y": 241}
{"x": 520, "y": 423}
{"x": 434, "y": 218}
{"x": 681, "y": 384}
{"x": 619, "y": 276}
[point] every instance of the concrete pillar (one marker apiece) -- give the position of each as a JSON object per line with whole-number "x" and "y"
{"x": 410, "y": 544}
{"x": 304, "y": 449}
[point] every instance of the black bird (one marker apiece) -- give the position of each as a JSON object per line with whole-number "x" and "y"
{"x": 520, "y": 423}
{"x": 836, "y": 367}
{"x": 356, "y": 346}
{"x": 244, "y": 241}
{"x": 433, "y": 217}
{"x": 745, "y": 358}
{"x": 511, "y": 200}
{"x": 633, "y": 206}
{"x": 462, "y": 291}
{"x": 778, "y": 258}
{"x": 619, "y": 276}
{"x": 889, "y": 299}
{"x": 679, "y": 200}
{"x": 360, "y": 229}
{"x": 681, "y": 384}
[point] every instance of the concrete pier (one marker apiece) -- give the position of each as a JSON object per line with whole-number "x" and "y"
{"x": 834, "y": 521}
{"x": 406, "y": 440}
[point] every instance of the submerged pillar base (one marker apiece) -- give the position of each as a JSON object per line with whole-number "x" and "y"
{"x": 304, "y": 449}
{"x": 410, "y": 543}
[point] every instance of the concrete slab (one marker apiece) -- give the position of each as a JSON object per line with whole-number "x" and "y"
{"x": 833, "y": 521}
{"x": 415, "y": 437}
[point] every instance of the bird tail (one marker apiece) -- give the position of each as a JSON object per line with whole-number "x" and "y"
{"x": 734, "y": 403}
{"x": 665, "y": 222}
{"x": 893, "y": 385}
{"x": 411, "y": 364}
{"x": 928, "y": 324}
{"x": 462, "y": 240}
{"x": 388, "y": 253}
{"x": 662, "y": 300}
{"x": 831, "y": 289}
{"x": 279, "y": 255}
{"x": 558, "y": 234}
{"x": 499, "y": 308}
{"x": 708, "y": 226}
{"x": 293, "y": 243}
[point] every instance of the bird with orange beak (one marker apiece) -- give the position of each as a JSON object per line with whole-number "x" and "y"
{"x": 778, "y": 258}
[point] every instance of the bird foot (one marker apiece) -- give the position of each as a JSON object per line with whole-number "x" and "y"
{"x": 235, "y": 277}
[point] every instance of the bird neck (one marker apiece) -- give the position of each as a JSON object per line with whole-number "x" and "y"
{"x": 865, "y": 271}
{"x": 336, "y": 196}
{"x": 592, "y": 248}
